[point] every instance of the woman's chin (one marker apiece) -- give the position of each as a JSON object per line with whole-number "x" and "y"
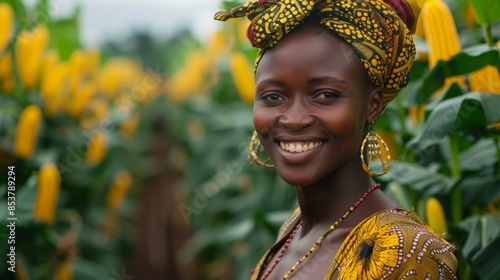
{"x": 296, "y": 179}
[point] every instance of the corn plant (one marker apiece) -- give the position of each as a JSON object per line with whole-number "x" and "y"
{"x": 68, "y": 144}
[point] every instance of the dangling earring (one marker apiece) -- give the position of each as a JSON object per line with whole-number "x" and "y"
{"x": 373, "y": 150}
{"x": 253, "y": 155}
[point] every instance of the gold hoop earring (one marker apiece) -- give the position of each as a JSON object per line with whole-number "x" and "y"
{"x": 373, "y": 150}
{"x": 253, "y": 155}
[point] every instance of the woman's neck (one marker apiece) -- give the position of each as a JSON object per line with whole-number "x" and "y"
{"x": 326, "y": 201}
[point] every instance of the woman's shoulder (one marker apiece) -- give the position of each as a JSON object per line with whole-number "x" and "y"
{"x": 392, "y": 244}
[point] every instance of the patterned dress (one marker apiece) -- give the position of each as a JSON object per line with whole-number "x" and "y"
{"x": 392, "y": 244}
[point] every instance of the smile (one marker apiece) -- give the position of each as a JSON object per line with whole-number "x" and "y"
{"x": 299, "y": 147}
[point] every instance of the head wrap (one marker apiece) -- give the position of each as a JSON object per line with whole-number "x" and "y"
{"x": 379, "y": 32}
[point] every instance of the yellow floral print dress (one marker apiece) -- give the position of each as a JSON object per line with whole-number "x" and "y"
{"x": 392, "y": 244}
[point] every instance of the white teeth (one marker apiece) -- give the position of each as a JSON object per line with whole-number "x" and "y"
{"x": 298, "y": 147}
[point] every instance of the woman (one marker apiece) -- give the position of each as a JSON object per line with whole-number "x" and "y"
{"x": 325, "y": 72}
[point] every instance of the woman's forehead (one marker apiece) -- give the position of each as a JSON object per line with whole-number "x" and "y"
{"x": 312, "y": 46}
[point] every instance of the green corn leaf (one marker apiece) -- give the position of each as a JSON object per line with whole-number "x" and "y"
{"x": 420, "y": 178}
{"x": 25, "y": 202}
{"x": 487, "y": 11}
{"x": 469, "y": 60}
{"x": 480, "y": 189}
{"x": 481, "y": 246}
{"x": 399, "y": 194}
{"x": 478, "y": 157}
{"x": 65, "y": 35}
{"x": 469, "y": 114}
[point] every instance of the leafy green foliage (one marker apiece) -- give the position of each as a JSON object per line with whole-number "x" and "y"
{"x": 487, "y": 11}
{"x": 481, "y": 247}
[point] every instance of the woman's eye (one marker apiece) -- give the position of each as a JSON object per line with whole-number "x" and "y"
{"x": 273, "y": 97}
{"x": 328, "y": 94}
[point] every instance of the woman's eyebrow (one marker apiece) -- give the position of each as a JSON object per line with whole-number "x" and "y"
{"x": 271, "y": 81}
{"x": 326, "y": 79}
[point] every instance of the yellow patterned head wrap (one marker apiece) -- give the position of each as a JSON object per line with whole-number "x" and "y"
{"x": 379, "y": 32}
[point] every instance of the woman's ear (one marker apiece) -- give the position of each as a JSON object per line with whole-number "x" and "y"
{"x": 375, "y": 105}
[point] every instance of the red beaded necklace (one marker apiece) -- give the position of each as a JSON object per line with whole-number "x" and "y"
{"x": 320, "y": 239}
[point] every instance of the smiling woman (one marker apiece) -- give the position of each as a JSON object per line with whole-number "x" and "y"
{"x": 324, "y": 74}
{"x": 315, "y": 99}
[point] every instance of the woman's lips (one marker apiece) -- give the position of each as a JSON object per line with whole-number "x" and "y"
{"x": 298, "y": 152}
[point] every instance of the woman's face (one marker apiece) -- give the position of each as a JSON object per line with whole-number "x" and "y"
{"x": 312, "y": 105}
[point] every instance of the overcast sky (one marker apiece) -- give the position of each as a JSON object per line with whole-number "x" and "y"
{"x": 103, "y": 19}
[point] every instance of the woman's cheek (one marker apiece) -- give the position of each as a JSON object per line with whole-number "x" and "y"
{"x": 264, "y": 120}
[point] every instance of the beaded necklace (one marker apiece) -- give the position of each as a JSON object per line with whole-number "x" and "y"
{"x": 320, "y": 239}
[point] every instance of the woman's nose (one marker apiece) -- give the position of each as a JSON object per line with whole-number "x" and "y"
{"x": 296, "y": 117}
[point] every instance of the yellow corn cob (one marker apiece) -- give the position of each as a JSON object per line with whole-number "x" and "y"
{"x": 27, "y": 132}
{"x": 110, "y": 79}
{"x": 97, "y": 149}
{"x": 486, "y": 79}
{"x": 54, "y": 81}
{"x": 121, "y": 183}
{"x": 441, "y": 34}
{"x": 64, "y": 270}
{"x": 494, "y": 206}
{"x": 7, "y": 85}
{"x": 91, "y": 62}
{"x": 494, "y": 126}
{"x": 6, "y": 74}
{"x": 47, "y": 193}
{"x": 20, "y": 272}
{"x": 117, "y": 74}
{"x": 6, "y": 25}
{"x": 416, "y": 113}
{"x": 5, "y": 65}
{"x": 197, "y": 67}
{"x": 81, "y": 98}
{"x": 435, "y": 216}
{"x": 242, "y": 73}
{"x": 191, "y": 79}
{"x": 217, "y": 45}
{"x": 30, "y": 47}
{"x": 50, "y": 59}
{"x": 76, "y": 70}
